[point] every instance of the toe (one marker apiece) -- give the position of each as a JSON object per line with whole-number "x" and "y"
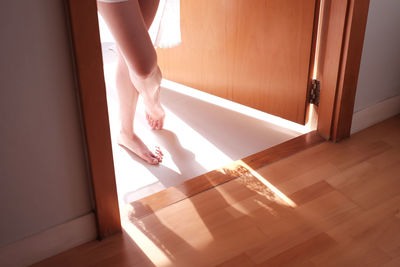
{"x": 157, "y": 156}
{"x": 151, "y": 159}
{"x": 159, "y": 151}
{"x": 150, "y": 121}
{"x": 161, "y": 124}
{"x": 157, "y": 125}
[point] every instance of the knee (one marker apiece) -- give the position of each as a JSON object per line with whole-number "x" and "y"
{"x": 145, "y": 71}
{"x": 145, "y": 68}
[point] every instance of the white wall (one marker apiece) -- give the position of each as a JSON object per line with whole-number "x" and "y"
{"x": 379, "y": 77}
{"x": 43, "y": 171}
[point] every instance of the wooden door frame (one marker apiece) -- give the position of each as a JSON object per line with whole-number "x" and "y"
{"x": 88, "y": 63}
{"x": 341, "y": 43}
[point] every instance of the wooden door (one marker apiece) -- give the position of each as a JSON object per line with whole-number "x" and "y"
{"x": 254, "y": 52}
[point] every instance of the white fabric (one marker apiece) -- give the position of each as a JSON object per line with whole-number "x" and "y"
{"x": 165, "y": 32}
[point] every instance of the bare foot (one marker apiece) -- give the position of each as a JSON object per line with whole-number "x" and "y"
{"x": 154, "y": 112}
{"x": 149, "y": 89}
{"x": 134, "y": 144}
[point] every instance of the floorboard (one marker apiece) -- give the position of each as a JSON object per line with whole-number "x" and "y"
{"x": 173, "y": 194}
{"x": 329, "y": 205}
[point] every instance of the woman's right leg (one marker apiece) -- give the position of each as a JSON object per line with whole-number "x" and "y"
{"x": 149, "y": 10}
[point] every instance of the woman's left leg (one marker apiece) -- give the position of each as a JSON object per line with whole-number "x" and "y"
{"x": 129, "y": 28}
{"x": 128, "y": 97}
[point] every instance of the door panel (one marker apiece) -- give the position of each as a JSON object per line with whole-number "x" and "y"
{"x": 256, "y": 52}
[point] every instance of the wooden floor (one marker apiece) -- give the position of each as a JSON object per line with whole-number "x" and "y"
{"x": 329, "y": 205}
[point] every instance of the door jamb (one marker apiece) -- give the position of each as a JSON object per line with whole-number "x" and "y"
{"x": 92, "y": 94}
{"x": 341, "y": 44}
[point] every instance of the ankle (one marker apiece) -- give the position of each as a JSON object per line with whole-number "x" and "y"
{"x": 126, "y": 133}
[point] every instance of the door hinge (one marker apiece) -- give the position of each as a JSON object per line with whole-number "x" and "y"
{"x": 314, "y": 92}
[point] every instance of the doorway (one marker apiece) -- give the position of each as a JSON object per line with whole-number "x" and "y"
{"x": 202, "y": 132}
{"x": 343, "y": 27}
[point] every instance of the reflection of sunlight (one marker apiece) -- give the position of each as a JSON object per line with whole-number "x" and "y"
{"x": 105, "y": 34}
{"x": 155, "y": 254}
{"x": 270, "y": 210}
{"x": 185, "y": 90}
{"x": 245, "y": 175}
{"x": 244, "y": 207}
{"x": 287, "y": 201}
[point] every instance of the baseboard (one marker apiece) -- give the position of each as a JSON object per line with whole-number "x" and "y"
{"x": 49, "y": 242}
{"x": 375, "y": 113}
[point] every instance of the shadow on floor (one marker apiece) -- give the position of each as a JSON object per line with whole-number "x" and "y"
{"x": 170, "y": 141}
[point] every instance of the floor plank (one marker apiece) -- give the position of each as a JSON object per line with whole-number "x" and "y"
{"x": 329, "y": 205}
{"x": 147, "y": 205}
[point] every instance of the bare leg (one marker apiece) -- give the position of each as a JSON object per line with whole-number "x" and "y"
{"x": 129, "y": 28}
{"x": 148, "y": 9}
{"x": 128, "y": 97}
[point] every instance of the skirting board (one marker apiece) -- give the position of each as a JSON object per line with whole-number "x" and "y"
{"x": 375, "y": 113}
{"x": 49, "y": 242}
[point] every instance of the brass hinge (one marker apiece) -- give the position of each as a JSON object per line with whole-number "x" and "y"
{"x": 314, "y": 92}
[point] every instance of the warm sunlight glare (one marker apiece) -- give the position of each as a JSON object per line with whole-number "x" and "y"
{"x": 185, "y": 90}
{"x": 318, "y": 41}
{"x": 312, "y": 119}
{"x": 287, "y": 201}
{"x": 152, "y": 251}
{"x": 151, "y": 235}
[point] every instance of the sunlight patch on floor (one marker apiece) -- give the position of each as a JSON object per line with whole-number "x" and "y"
{"x": 152, "y": 251}
{"x": 151, "y": 233}
{"x": 235, "y": 107}
{"x": 278, "y": 195}
{"x": 255, "y": 182}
